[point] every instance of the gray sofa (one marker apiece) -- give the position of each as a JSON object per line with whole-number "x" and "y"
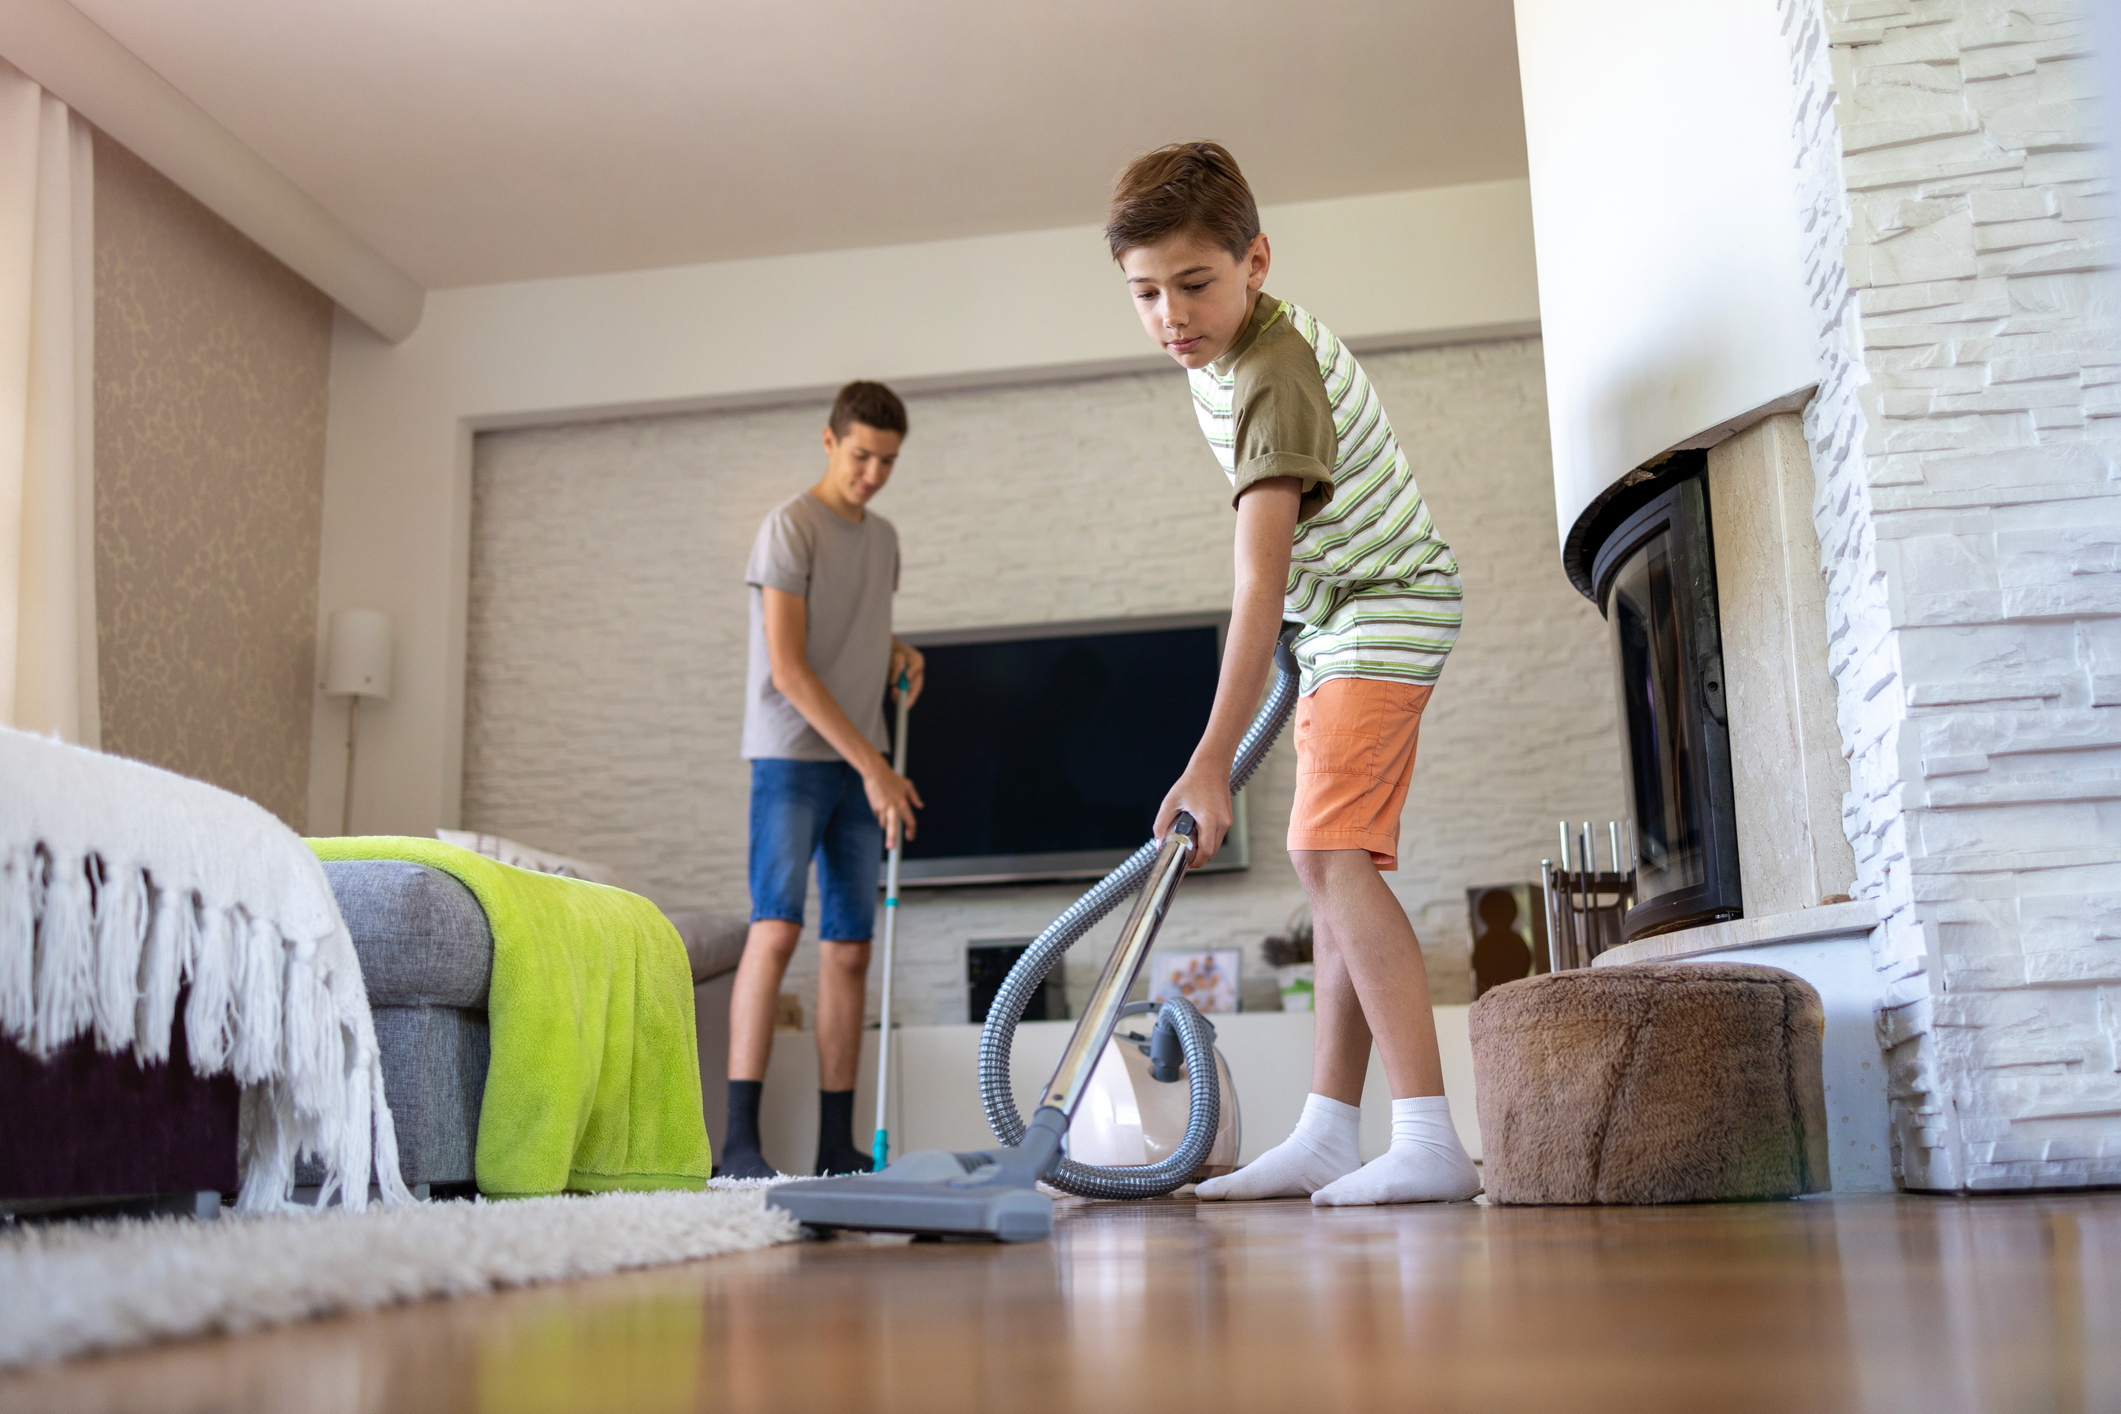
{"x": 426, "y": 955}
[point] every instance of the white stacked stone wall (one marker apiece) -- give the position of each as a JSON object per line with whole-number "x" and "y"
{"x": 607, "y": 635}
{"x": 1965, "y": 439}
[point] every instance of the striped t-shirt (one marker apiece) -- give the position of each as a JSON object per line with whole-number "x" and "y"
{"x": 1371, "y": 581}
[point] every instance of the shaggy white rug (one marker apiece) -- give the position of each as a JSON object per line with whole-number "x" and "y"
{"x": 68, "y": 1289}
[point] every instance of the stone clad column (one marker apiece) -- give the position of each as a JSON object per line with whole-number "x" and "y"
{"x": 1967, "y": 443}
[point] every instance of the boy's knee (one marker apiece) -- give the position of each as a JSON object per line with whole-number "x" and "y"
{"x": 845, "y": 957}
{"x": 1318, "y": 869}
{"x": 1314, "y": 867}
{"x": 772, "y": 938}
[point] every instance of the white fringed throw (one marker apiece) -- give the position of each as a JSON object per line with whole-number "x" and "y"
{"x": 119, "y": 883}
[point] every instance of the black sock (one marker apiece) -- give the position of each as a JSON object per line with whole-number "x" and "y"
{"x": 836, "y": 1152}
{"x": 742, "y": 1135}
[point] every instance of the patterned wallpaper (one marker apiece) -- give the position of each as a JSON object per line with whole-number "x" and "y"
{"x": 212, "y": 361}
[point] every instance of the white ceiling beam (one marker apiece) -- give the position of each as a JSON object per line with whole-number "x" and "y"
{"x": 102, "y": 80}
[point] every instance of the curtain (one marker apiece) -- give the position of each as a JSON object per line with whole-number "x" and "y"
{"x": 47, "y": 415}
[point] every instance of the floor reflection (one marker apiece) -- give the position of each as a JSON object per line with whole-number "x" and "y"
{"x": 1980, "y": 1310}
{"x": 1865, "y": 1303}
{"x": 643, "y": 1355}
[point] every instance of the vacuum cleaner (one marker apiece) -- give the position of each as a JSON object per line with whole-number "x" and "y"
{"x": 994, "y": 1193}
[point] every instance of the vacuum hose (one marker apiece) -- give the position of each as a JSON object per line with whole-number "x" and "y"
{"x": 1195, "y": 1039}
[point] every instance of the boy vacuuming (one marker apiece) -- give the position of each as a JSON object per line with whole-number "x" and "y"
{"x": 1331, "y": 533}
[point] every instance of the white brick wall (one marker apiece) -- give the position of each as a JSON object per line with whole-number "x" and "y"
{"x": 1964, "y": 440}
{"x": 607, "y": 633}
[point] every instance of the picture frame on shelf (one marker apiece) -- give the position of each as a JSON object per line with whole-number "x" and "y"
{"x": 1207, "y": 978}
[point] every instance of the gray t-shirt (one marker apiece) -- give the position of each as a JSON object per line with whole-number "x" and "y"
{"x": 847, "y": 574}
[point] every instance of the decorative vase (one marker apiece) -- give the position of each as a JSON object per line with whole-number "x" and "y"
{"x": 1295, "y": 982}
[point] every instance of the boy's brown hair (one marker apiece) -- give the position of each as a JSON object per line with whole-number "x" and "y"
{"x": 871, "y": 404}
{"x": 1187, "y": 186}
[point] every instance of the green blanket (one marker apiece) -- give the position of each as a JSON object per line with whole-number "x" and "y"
{"x": 594, "y": 1081}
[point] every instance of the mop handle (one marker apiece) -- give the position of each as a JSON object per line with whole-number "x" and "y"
{"x": 880, "y": 1149}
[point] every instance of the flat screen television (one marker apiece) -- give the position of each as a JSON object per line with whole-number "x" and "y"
{"x": 1042, "y": 751}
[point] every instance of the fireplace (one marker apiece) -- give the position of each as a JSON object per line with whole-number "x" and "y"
{"x": 1654, "y": 578}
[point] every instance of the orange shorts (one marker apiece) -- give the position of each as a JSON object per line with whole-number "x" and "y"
{"x": 1354, "y": 759}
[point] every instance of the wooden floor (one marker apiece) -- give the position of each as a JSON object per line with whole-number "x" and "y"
{"x": 1857, "y": 1303}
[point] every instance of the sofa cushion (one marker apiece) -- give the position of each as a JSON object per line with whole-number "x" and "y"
{"x": 434, "y": 1075}
{"x": 713, "y": 941}
{"x": 421, "y": 936}
{"x": 423, "y": 940}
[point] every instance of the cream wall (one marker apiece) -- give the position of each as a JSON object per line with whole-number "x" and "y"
{"x": 1434, "y": 266}
{"x": 1672, "y": 288}
{"x": 608, "y": 630}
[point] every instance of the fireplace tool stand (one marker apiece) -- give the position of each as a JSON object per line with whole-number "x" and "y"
{"x": 1586, "y": 906}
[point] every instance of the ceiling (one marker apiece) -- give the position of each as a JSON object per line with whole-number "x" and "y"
{"x": 474, "y": 141}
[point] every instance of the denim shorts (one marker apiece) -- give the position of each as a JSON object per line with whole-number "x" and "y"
{"x": 802, "y": 810}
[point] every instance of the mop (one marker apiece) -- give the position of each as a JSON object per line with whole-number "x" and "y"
{"x": 880, "y": 1150}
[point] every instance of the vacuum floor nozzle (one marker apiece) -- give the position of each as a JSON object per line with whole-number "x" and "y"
{"x": 936, "y": 1193}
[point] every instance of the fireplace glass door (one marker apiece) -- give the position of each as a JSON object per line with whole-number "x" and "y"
{"x": 1658, "y": 575}
{"x": 1663, "y": 744}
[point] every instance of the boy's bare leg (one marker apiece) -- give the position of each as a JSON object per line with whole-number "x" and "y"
{"x": 1340, "y": 1045}
{"x": 1324, "y": 1145}
{"x": 756, "y": 993}
{"x": 842, "y": 991}
{"x": 767, "y": 948}
{"x": 1374, "y": 960}
{"x": 842, "y": 984}
{"x": 1357, "y": 920}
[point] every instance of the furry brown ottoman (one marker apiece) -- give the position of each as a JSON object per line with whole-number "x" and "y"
{"x": 1657, "y": 1082}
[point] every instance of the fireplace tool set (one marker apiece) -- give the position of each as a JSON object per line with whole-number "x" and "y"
{"x": 1587, "y": 906}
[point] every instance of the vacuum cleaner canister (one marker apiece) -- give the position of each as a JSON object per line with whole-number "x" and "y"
{"x": 1130, "y": 1119}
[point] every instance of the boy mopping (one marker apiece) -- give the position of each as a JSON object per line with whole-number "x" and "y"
{"x": 1331, "y": 533}
{"x": 822, "y": 574}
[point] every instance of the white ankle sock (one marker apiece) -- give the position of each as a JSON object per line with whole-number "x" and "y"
{"x": 1426, "y": 1163}
{"x": 1319, "y": 1150}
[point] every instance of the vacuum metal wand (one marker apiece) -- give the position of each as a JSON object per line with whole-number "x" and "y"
{"x": 1087, "y": 1046}
{"x": 880, "y": 1147}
